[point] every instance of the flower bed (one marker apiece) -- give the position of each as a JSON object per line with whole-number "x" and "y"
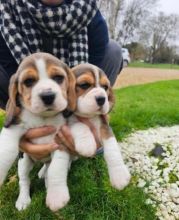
{"x": 153, "y": 156}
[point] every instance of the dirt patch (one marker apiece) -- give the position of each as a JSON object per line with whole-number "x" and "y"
{"x": 135, "y": 76}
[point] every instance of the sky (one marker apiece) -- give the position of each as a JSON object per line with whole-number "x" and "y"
{"x": 169, "y": 6}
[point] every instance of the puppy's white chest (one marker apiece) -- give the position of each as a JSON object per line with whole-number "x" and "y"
{"x": 95, "y": 121}
{"x": 30, "y": 120}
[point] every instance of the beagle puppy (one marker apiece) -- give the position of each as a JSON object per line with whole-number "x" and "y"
{"x": 40, "y": 91}
{"x": 94, "y": 101}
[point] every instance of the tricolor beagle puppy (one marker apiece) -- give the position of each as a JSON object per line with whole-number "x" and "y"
{"x": 42, "y": 88}
{"x": 94, "y": 101}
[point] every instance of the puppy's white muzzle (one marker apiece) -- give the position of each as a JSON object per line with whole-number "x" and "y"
{"x": 47, "y": 97}
{"x": 93, "y": 102}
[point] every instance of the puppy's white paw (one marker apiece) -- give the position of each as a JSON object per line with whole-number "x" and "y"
{"x": 57, "y": 198}
{"x": 119, "y": 177}
{"x": 22, "y": 202}
{"x": 85, "y": 144}
{"x": 42, "y": 172}
{"x": 87, "y": 148}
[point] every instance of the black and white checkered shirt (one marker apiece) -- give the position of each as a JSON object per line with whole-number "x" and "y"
{"x": 30, "y": 26}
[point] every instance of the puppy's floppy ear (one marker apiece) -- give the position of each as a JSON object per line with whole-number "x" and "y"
{"x": 71, "y": 90}
{"x": 12, "y": 108}
{"x": 111, "y": 98}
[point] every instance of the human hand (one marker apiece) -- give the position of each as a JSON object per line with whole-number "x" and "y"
{"x": 65, "y": 140}
{"x": 38, "y": 151}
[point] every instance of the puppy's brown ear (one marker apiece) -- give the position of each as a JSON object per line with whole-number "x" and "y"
{"x": 12, "y": 108}
{"x": 71, "y": 90}
{"x": 111, "y": 98}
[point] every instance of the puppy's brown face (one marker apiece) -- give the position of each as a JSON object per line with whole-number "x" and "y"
{"x": 94, "y": 94}
{"x": 43, "y": 84}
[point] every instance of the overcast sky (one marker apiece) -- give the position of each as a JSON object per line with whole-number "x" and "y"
{"x": 169, "y": 6}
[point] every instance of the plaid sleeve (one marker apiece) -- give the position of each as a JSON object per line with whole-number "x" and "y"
{"x": 64, "y": 20}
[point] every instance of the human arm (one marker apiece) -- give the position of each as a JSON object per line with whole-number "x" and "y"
{"x": 37, "y": 151}
{"x": 98, "y": 39}
{"x": 63, "y": 141}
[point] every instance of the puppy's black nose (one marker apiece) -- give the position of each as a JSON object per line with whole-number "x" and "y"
{"x": 47, "y": 97}
{"x": 100, "y": 100}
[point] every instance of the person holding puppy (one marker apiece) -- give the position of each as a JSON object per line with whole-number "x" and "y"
{"x": 72, "y": 30}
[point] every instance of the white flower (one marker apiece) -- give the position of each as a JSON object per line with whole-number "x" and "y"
{"x": 159, "y": 177}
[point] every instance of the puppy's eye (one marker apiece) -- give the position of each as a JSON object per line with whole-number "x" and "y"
{"x": 105, "y": 87}
{"x": 58, "y": 78}
{"x": 29, "y": 82}
{"x": 84, "y": 86}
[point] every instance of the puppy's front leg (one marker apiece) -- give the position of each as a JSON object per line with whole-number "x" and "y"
{"x": 25, "y": 165}
{"x": 42, "y": 174}
{"x": 85, "y": 143}
{"x": 118, "y": 171}
{"x": 9, "y": 148}
{"x": 57, "y": 189}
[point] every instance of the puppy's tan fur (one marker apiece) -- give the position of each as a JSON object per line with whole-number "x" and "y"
{"x": 91, "y": 85}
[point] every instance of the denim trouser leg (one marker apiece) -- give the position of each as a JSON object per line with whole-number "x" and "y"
{"x": 112, "y": 62}
{"x": 4, "y": 83}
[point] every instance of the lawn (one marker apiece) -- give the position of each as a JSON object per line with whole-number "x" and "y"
{"x": 158, "y": 66}
{"x": 92, "y": 197}
{"x": 145, "y": 106}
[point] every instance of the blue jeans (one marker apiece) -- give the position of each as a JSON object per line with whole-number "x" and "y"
{"x": 112, "y": 62}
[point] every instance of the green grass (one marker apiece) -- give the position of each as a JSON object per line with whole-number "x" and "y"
{"x": 1, "y": 118}
{"x": 92, "y": 197}
{"x": 145, "y": 106}
{"x": 158, "y": 66}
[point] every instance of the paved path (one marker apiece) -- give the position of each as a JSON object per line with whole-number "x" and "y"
{"x": 135, "y": 76}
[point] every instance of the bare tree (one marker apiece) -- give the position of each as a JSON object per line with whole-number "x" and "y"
{"x": 111, "y": 11}
{"x": 125, "y": 19}
{"x": 135, "y": 15}
{"x": 159, "y": 32}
